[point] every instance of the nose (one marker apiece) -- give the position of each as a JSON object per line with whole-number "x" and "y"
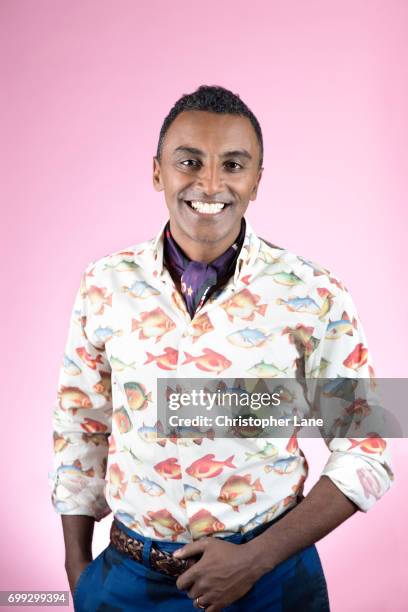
{"x": 209, "y": 179}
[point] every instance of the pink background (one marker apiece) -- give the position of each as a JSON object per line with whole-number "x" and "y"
{"x": 85, "y": 87}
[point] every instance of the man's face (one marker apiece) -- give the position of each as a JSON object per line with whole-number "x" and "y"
{"x": 212, "y": 158}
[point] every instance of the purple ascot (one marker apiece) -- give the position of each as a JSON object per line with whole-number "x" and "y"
{"x": 199, "y": 279}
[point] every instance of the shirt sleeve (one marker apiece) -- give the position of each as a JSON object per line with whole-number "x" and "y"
{"x": 81, "y": 418}
{"x": 360, "y": 460}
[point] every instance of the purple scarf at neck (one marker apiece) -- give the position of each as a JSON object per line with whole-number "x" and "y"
{"x": 197, "y": 278}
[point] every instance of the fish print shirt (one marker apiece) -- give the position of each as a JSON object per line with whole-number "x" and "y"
{"x": 129, "y": 326}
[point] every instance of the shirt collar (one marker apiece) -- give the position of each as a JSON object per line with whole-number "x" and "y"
{"x": 151, "y": 257}
{"x": 224, "y": 265}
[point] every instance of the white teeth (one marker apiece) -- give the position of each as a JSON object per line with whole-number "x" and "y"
{"x": 205, "y": 207}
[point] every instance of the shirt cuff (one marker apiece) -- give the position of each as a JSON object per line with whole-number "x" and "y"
{"x": 85, "y": 495}
{"x": 362, "y": 479}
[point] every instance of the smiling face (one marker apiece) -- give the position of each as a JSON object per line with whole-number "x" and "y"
{"x": 207, "y": 158}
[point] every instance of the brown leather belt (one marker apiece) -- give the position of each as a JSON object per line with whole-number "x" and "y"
{"x": 160, "y": 560}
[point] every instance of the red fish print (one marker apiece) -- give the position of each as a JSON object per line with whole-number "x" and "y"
{"x": 165, "y": 361}
{"x": 104, "y": 385}
{"x": 201, "y": 325}
{"x": 99, "y": 299}
{"x": 209, "y": 361}
{"x": 72, "y": 398}
{"x": 122, "y": 420}
{"x": 117, "y": 481}
{"x": 207, "y": 467}
{"x": 303, "y": 335}
{"x": 357, "y": 358}
{"x": 137, "y": 396}
{"x": 92, "y": 426}
{"x": 239, "y": 490}
{"x": 244, "y": 305}
{"x": 359, "y": 409}
{"x": 93, "y": 438}
{"x": 203, "y": 523}
{"x": 60, "y": 442}
{"x": 292, "y": 446}
{"x": 88, "y": 359}
{"x": 169, "y": 468}
{"x": 163, "y": 524}
{"x": 374, "y": 444}
{"x": 301, "y": 331}
{"x": 153, "y": 324}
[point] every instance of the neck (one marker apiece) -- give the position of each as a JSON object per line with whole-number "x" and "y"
{"x": 204, "y": 250}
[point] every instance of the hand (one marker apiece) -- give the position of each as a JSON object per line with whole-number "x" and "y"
{"x": 74, "y": 569}
{"x": 224, "y": 573}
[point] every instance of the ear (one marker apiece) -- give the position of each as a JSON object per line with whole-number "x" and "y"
{"x": 255, "y": 187}
{"x": 157, "y": 177}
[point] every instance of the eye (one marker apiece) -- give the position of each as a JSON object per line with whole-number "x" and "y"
{"x": 233, "y": 165}
{"x": 190, "y": 163}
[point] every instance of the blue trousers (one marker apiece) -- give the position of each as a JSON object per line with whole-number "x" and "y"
{"x": 114, "y": 582}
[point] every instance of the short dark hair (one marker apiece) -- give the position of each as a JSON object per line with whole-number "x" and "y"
{"x": 213, "y": 99}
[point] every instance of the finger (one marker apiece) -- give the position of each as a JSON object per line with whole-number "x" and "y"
{"x": 189, "y": 550}
{"x": 196, "y": 591}
{"x": 188, "y": 578}
{"x": 202, "y": 601}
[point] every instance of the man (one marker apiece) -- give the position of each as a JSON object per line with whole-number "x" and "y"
{"x": 214, "y": 523}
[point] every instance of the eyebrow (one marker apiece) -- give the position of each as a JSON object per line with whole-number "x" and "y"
{"x": 195, "y": 151}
